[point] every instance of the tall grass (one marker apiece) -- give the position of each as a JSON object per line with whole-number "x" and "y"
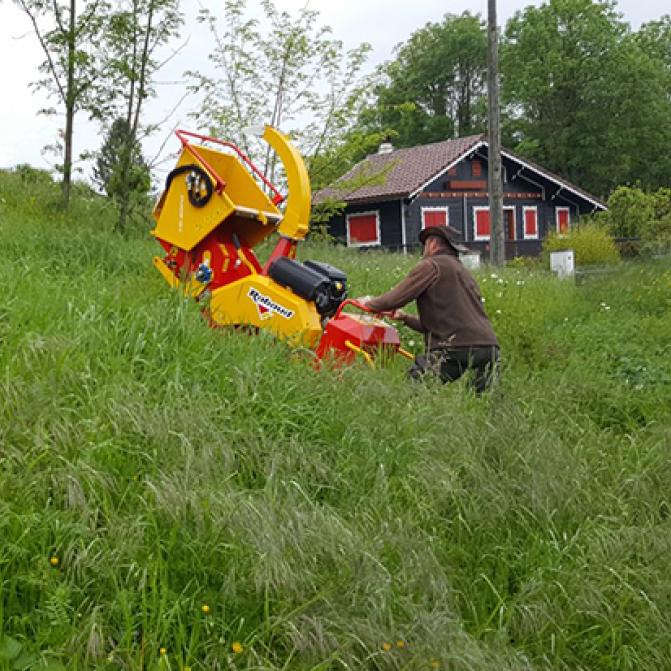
{"x": 211, "y": 501}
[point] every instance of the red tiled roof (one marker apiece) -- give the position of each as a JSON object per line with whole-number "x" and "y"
{"x": 399, "y": 173}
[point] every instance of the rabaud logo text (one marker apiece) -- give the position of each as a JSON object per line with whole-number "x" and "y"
{"x": 266, "y": 305}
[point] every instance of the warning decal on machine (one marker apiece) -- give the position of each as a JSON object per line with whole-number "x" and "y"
{"x": 266, "y": 306}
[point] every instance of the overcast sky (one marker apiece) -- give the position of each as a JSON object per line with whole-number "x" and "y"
{"x": 382, "y": 23}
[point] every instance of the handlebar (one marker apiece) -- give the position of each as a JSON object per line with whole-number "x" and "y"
{"x": 361, "y": 306}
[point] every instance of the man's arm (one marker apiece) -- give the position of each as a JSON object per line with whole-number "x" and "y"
{"x": 420, "y": 278}
{"x": 411, "y": 321}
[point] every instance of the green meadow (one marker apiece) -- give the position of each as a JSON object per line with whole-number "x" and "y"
{"x": 175, "y": 497}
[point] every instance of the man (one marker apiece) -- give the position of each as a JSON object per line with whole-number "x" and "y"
{"x": 457, "y": 332}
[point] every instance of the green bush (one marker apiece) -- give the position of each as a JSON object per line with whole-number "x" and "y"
{"x": 593, "y": 245}
{"x": 525, "y": 263}
{"x": 656, "y": 233}
{"x": 633, "y": 213}
{"x": 629, "y": 210}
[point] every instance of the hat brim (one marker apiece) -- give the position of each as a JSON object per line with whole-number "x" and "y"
{"x": 441, "y": 233}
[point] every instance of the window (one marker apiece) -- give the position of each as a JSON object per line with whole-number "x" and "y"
{"x": 481, "y": 223}
{"x": 363, "y": 229}
{"x": 530, "y": 216}
{"x": 452, "y": 172}
{"x": 562, "y": 219}
{"x": 476, "y": 168}
{"x": 509, "y": 222}
{"x": 435, "y": 216}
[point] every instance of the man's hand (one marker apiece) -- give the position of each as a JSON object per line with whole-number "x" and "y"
{"x": 363, "y": 300}
{"x": 398, "y": 315}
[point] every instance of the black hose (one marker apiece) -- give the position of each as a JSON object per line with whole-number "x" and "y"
{"x": 197, "y": 179}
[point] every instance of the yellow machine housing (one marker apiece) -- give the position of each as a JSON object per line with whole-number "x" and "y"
{"x": 246, "y": 209}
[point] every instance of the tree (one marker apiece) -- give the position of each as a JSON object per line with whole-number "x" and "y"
{"x": 120, "y": 170}
{"x": 293, "y": 74}
{"x": 69, "y": 35}
{"x": 655, "y": 39}
{"x": 582, "y": 96}
{"x": 134, "y": 33}
{"x": 435, "y": 87}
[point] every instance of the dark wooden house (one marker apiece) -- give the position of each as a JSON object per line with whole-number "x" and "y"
{"x": 393, "y": 194}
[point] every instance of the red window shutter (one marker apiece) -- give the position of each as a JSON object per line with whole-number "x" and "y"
{"x": 476, "y": 167}
{"x": 434, "y": 218}
{"x": 482, "y": 223}
{"x": 530, "y": 223}
{"x": 362, "y": 228}
{"x": 509, "y": 222}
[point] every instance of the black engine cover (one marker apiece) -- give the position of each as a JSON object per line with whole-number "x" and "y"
{"x": 320, "y": 283}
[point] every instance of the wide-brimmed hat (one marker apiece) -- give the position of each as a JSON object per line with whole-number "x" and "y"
{"x": 447, "y": 233}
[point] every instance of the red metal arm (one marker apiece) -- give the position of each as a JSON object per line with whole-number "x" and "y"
{"x": 181, "y": 134}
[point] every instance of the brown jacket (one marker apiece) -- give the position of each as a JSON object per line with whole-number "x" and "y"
{"x": 448, "y": 301}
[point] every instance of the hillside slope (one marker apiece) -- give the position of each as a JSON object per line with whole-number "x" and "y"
{"x": 173, "y": 497}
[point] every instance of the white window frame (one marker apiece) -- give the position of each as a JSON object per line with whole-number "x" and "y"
{"x": 559, "y": 209}
{"x": 435, "y": 208}
{"x": 525, "y": 209}
{"x": 476, "y": 209}
{"x": 514, "y": 211}
{"x": 377, "y": 228}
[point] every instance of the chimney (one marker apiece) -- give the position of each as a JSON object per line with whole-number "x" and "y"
{"x": 386, "y": 148}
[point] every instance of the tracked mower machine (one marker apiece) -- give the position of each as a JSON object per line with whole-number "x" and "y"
{"x": 215, "y": 210}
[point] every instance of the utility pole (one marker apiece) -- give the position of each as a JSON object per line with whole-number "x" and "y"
{"x": 497, "y": 249}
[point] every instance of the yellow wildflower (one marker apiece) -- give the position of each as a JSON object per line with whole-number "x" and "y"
{"x": 386, "y": 646}
{"x": 162, "y": 651}
{"x": 54, "y": 561}
{"x": 236, "y": 647}
{"x": 205, "y": 609}
{"x": 435, "y": 664}
{"x": 400, "y": 644}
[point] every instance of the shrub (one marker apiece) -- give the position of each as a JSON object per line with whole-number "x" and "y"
{"x": 629, "y": 211}
{"x": 656, "y": 234}
{"x": 593, "y": 245}
{"x": 525, "y": 263}
{"x": 30, "y": 175}
{"x": 633, "y": 213}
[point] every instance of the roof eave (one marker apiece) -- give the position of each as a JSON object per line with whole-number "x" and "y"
{"x": 553, "y": 178}
{"x": 376, "y": 198}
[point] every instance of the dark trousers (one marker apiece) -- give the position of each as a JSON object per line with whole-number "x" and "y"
{"x": 450, "y": 364}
